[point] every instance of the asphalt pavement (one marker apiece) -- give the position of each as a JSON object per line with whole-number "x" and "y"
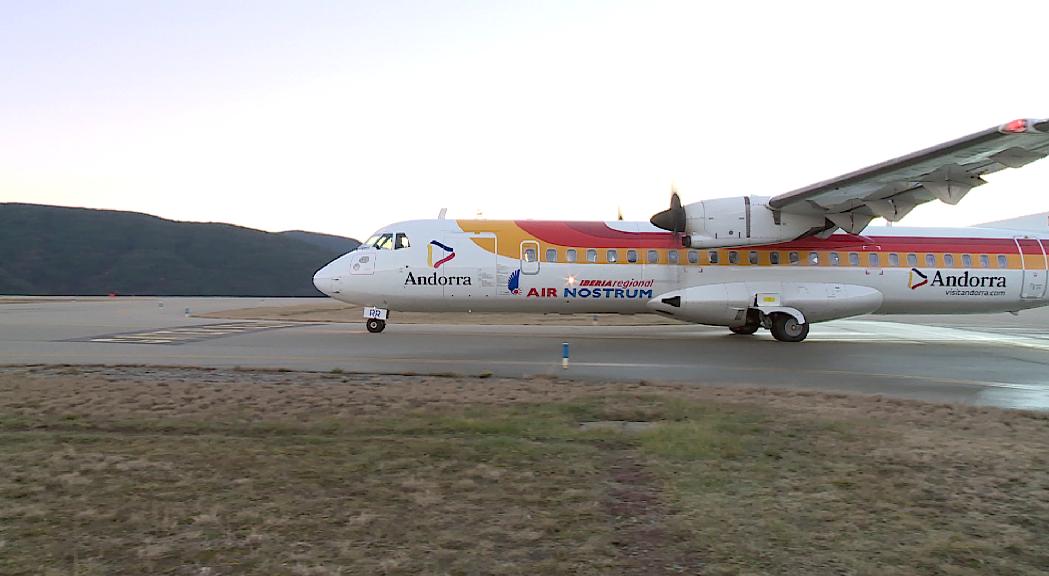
{"x": 997, "y": 360}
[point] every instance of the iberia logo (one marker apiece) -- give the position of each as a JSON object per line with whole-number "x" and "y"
{"x": 916, "y": 279}
{"x": 449, "y": 253}
{"x": 514, "y": 283}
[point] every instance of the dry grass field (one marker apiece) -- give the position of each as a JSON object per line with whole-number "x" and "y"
{"x": 141, "y": 470}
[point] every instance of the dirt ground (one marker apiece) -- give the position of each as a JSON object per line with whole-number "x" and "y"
{"x": 156, "y": 470}
{"x": 334, "y": 311}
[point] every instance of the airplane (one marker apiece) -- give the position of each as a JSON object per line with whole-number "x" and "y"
{"x": 778, "y": 263}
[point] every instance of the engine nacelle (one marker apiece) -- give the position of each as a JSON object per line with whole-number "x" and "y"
{"x": 742, "y": 221}
{"x": 727, "y": 304}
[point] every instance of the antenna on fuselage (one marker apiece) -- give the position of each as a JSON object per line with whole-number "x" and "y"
{"x": 442, "y": 214}
{"x": 619, "y": 212}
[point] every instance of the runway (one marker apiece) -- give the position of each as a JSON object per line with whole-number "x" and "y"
{"x": 996, "y": 360}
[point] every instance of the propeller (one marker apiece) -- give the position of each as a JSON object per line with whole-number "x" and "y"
{"x": 672, "y": 219}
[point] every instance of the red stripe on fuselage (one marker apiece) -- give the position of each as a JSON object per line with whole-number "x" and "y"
{"x": 599, "y": 235}
{"x": 594, "y": 235}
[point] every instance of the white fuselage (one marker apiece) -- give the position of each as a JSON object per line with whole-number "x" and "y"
{"x": 623, "y": 267}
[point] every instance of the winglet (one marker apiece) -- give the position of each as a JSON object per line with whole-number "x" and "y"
{"x": 1022, "y": 125}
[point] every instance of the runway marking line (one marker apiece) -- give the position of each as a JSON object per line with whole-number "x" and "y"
{"x": 186, "y": 334}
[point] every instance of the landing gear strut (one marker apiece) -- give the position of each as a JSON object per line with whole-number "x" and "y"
{"x": 752, "y": 325}
{"x": 375, "y": 326}
{"x": 786, "y": 328}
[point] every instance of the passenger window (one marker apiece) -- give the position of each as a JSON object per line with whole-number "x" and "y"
{"x": 794, "y": 258}
{"x": 773, "y": 257}
{"x": 814, "y": 258}
{"x": 693, "y": 257}
{"x": 653, "y": 257}
{"x": 733, "y": 257}
{"x": 873, "y": 260}
{"x": 570, "y": 255}
{"x": 752, "y": 257}
{"x": 985, "y": 261}
{"x": 529, "y": 255}
{"x": 834, "y": 259}
{"x": 930, "y": 259}
{"x": 1003, "y": 262}
{"x": 672, "y": 257}
{"x": 591, "y": 255}
{"x": 713, "y": 254}
{"x": 402, "y": 241}
{"x": 912, "y": 259}
{"x": 854, "y": 259}
{"x": 948, "y": 260}
{"x": 631, "y": 256}
{"x": 894, "y": 259}
{"x": 611, "y": 254}
{"x": 551, "y": 254}
{"x": 967, "y": 261}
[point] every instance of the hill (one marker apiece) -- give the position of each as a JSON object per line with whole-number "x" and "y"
{"x": 52, "y": 250}
{"x": 339, "y": 244}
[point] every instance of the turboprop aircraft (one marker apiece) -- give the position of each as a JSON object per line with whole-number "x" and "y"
{"x": 748, "y": 262}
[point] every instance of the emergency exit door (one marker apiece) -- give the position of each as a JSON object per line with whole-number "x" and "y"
{"x": 529, "y": 257}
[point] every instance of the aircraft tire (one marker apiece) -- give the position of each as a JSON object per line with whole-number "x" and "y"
{"x": 745, "y": 330}
{"x": 787, "y": 329}
{"x": 375, "y": 326}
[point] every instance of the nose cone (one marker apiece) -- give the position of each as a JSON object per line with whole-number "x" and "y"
{"x": 323, "y": 281}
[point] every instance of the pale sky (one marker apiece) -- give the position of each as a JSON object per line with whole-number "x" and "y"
{"x": 340, "y": 117}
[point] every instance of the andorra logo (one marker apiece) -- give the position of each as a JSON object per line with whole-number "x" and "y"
{"x": 514, "y": 284}
{"x": 448, "y": 255}
{"x": 916, "y": 279}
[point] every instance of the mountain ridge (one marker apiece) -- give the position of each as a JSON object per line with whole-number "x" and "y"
{"x": 58, "y": 250}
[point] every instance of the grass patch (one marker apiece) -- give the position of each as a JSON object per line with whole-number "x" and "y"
{"x": 174, "y": 470}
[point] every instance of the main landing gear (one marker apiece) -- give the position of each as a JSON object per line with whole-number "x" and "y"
{"x": 783, "y": 326}
{"x": 786, "y": 328}
{"x": 753, "y": 323}
{"x": 375, "y": 326}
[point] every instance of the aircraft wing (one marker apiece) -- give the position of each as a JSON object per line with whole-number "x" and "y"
{"x": 945, "y": 172}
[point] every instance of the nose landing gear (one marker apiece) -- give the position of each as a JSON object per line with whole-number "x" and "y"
{"x": 375, "y": 318}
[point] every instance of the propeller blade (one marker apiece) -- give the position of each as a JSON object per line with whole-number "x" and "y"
{"x": 672, "y": 219}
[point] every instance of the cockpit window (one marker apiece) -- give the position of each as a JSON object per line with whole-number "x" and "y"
{"x": 402, "y": 241}
{"x": 384, "y": 242}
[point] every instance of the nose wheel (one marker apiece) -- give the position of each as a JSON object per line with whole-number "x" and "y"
{"x": 375, "y": 326}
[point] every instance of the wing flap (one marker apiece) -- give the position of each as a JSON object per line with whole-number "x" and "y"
{"x": 945, "y": 172}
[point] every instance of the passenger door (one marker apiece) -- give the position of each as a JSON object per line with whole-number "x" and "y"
{"x": 1033, "y": 261}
